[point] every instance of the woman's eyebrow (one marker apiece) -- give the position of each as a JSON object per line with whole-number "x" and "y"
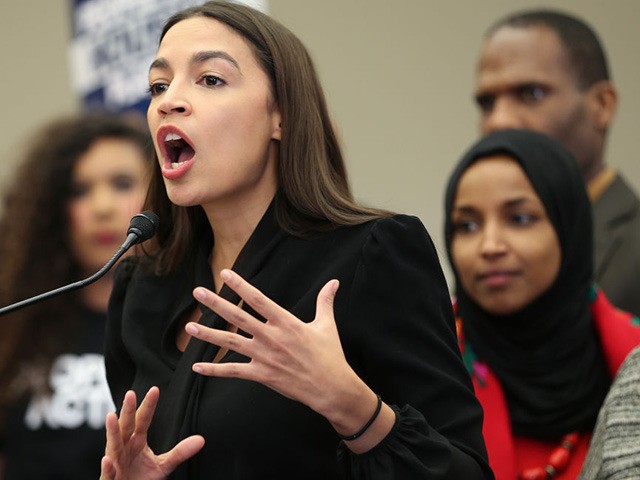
{"x": 203, "y": 56}
{"x": 198, "y": 57}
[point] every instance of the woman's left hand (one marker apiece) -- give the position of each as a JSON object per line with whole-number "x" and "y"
{"x": 302, "y": 361}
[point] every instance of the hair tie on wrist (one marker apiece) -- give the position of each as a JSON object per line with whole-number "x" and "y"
{"x": 366, "y": 425}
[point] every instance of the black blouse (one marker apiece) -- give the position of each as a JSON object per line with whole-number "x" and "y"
{"x": 397, "y": 330}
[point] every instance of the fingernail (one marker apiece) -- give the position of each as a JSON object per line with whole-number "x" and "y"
{"x": 191, "y": 328}
{"x": 197, "y": 368}
{"x": 225, "y": 275}
{"x": 199, "y": 294}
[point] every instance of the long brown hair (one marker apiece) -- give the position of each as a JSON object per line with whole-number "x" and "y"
{"x": 35, "y": 245}
{"x": 314, "y": 193}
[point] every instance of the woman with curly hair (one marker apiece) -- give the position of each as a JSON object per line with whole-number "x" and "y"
{"x": 63, "y": 217}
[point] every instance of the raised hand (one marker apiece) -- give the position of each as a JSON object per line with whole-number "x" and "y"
{"x": 302, "y": 361}
{"x": 128, "y": 455}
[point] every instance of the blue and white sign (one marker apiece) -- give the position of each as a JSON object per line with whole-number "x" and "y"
{"x": 114, "y": 42}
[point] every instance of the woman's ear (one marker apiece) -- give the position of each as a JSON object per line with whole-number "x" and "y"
{"x": 276, "y": 117}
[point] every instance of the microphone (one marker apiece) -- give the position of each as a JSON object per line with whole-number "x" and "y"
{"x": 142, "y": 227}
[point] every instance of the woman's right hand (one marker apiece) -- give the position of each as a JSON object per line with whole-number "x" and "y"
{"x": 128, "y": 455}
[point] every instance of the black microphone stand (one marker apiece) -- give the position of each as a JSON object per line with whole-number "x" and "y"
{"x": 143, "y": 226}
{"x": 71, "y": 286}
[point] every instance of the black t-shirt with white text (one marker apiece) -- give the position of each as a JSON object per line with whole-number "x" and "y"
{"x": 62, "y": 435}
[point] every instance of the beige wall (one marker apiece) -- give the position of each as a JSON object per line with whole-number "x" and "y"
{"x": 398, "y": 77}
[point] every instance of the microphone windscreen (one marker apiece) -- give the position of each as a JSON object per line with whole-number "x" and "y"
{"x": 144, "y": 225}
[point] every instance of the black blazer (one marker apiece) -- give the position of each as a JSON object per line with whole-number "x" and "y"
{"x": 617, "y": 245}
{"x": 396, "y": 327}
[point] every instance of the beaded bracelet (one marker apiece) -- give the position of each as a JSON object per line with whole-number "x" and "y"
{"x": 349, "y": 438}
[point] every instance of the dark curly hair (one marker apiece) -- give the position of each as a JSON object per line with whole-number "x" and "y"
{"x": 35, "y": 244}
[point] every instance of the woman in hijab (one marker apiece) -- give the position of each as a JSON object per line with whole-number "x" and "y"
{"x": 540, "y": 340}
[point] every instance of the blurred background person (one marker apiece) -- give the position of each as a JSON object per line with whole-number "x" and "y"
{"x": 547, "y": 71}
{"x": 540, "y": 340}
{"x": 64, "y": 216}
{"x": 614, "y": 451}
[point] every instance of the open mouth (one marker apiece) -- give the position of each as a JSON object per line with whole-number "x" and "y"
{"x": 178, "y": 151}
